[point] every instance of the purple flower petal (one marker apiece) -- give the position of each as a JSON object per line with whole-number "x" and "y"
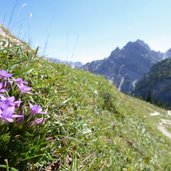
{"x": 38, "y": 121}
{"x": 8, "y": 107}
{"x": 7, "y": 114}
{"x": 2, "y": 91}
{"x": 4, "y": 74}
{"x": 2, "y": 97}
{"x": 1, "y": 85}
{"x": 17, "y": 116}
{"x": 17, "y": 103}
{"x": 11, "y": 99}
{"x": 35, "y": 109}
{"x": 19, "y": 81}
{"x": 9, "y": 119}
{"x": 7, "y": 100}
{"x": 9, "y": 111}
{"x": 24, "y": 89}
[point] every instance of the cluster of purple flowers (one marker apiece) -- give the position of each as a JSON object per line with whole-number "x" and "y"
{"x": 9, "y": 106}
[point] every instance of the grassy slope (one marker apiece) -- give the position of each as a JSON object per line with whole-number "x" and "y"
{"x": 93, "y": 126}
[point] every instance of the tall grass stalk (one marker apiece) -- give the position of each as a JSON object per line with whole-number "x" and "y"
{"x": 12, "y": 13}
{"x": 48, "y": 33}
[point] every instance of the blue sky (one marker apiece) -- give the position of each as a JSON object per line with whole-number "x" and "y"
{"x": 85, "y": 30}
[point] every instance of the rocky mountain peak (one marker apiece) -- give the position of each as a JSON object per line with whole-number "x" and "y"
{"x": 124, "y": 67}
{"x": 116, "y": 51}
{"x": 137, "y": 45}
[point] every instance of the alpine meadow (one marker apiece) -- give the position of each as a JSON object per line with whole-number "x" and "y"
{"x": 56, "y": 114}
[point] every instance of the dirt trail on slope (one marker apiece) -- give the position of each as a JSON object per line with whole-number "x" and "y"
{"x": 161, "y": 126}
{"x": 163, "y": 130}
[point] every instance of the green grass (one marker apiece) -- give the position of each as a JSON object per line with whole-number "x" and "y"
{"x": 169, "y": 128}
{"x": 90, "y": 125}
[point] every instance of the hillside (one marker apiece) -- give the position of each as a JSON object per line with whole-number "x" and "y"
{"x": 124, "y": 67}
{"x": 90, "y": 125}
{"x": 68, "y": 63}
{"x": 156, "y": 84}
{"x": 6, "y": 36}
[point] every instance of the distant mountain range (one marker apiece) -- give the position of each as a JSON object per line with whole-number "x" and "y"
{"x": 135, "y": 69}
{"x": 125, "y": 67}
{"x": 69, "y": 63}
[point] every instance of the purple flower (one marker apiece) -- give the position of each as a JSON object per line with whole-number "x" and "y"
{"x": 17, "y": 103}
{"x": 35, "y": 109}
{"x": 37, "y": 121}
{"x": 2, "y": 90}
{"x": 8, "y": 114}
{"x": 4, "y": 74}
{"x": 6, "y": 101}
{"x": 21, "y": 85}
{"x": 9, "y": 101}
{"x": 7, "y": 108}
{"x": 19, "y": 81}
{"x": 24, "y": 89}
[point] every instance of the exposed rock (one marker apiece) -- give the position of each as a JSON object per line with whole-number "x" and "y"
{"x": 127, "y": 65}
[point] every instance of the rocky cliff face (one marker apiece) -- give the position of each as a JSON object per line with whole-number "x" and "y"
{"x": 155, "y": 86}
{"x": 127, "y": 65}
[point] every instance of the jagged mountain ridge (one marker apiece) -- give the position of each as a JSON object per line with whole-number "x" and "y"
{"x": 124, "y": 67}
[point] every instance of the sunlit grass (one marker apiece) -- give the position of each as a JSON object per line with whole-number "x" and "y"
{"x": 91, "y": 126}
